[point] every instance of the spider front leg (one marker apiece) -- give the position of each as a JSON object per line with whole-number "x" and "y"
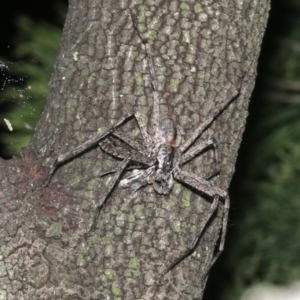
{"x": 109, "y": 190}
{"x": 198, "y": 183}
{"x": 94, "y": 140}
{"x": 154, "y": 83}
{"x": 224, "y": 230}
{"x": 191, "y": 154}
{"x": 206, "y": 123}
{"x": 114, "y": 181}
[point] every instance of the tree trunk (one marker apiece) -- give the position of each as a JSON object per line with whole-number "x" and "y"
{"x": 202, "y": 50}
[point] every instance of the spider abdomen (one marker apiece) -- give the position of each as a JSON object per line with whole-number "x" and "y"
{"x": 169, "y": 133}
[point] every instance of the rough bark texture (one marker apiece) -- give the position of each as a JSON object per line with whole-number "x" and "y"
{"x": 202, "y": 50}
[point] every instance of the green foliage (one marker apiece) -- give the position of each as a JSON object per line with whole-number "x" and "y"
{"x": 23, "y": 96}
{"x": 265, "y": 245}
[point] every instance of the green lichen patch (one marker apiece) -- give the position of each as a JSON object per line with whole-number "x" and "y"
{"x": 3, "y": 295}
{"x": 80, "y": 261}
{"x": 184, "y": 6}
{"x": 198, "y": 8}
{"x": 138, "y": 78}
{"x": 186, "y": 199}
{"x": 3, "y": 271}
{"x": 174, "y": 85}
{"x": 134, "y": 264}
{"x": 116, "y": 290}
{"x": 176, "y": 225}
{"x": 150, "y": 35}
{"x": 54, "y": 230}
{"x": 139, "y": 211}
{"x": 109, "y": 273}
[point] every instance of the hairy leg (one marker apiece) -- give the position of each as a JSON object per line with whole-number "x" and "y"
{"x": 192, "y": 153}
{"x": 206, "y": 123}
{"x": 109, "y": 190}
{"x": 195, "y": 241}
{"x": 96, "y": 138}
{"x": 198, "y": 183}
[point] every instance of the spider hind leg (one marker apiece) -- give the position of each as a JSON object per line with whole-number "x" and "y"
{"x": 192, "y": 153}
{"x": 194, "y": 243}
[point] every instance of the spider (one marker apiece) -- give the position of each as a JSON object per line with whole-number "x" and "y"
{"x": 159, "y": 158}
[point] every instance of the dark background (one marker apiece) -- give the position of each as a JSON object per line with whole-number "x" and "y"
{"x": 35, "y": 9}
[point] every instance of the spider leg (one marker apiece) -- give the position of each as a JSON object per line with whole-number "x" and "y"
{"x": 114, "y": 181}
{"x": 198, "y": 183}
{"x": 91, "y": 141}
{"x": 206, "y": 123}
{"x": 130, "y": 142}
{"x": 143, "y": 128}
{"x": 155, "y": 118}
{"x": 223, "y": 235}
{"x": 194, "y": 243}
{"x": 84, "y": 146}
{"x": 224, "y": 230}
{"x": 127, "y": 169}
{"x": 118, "y": 145}
{"x": 204, "y": 186}
{"x": 101, "y": 202}
{"x": 138, "y": 179}
{"x": 189, "y": 155}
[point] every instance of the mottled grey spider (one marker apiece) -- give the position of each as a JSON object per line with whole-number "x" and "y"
{"x": 159, "y": 158}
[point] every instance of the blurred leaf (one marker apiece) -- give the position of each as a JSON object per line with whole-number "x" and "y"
{"x": 25, "y": 81}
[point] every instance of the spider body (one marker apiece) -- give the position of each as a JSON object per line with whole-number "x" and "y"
{"x": 159, "y": 162}
{"x": 162, "y": 154}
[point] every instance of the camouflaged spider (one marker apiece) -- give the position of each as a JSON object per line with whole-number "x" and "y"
{"x": 159, "y": 159}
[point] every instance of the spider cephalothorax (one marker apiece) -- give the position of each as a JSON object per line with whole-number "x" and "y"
{"x": 164, "y": 155}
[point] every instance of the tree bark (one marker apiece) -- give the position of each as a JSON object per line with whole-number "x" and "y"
{"x": 202, "y": 50}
